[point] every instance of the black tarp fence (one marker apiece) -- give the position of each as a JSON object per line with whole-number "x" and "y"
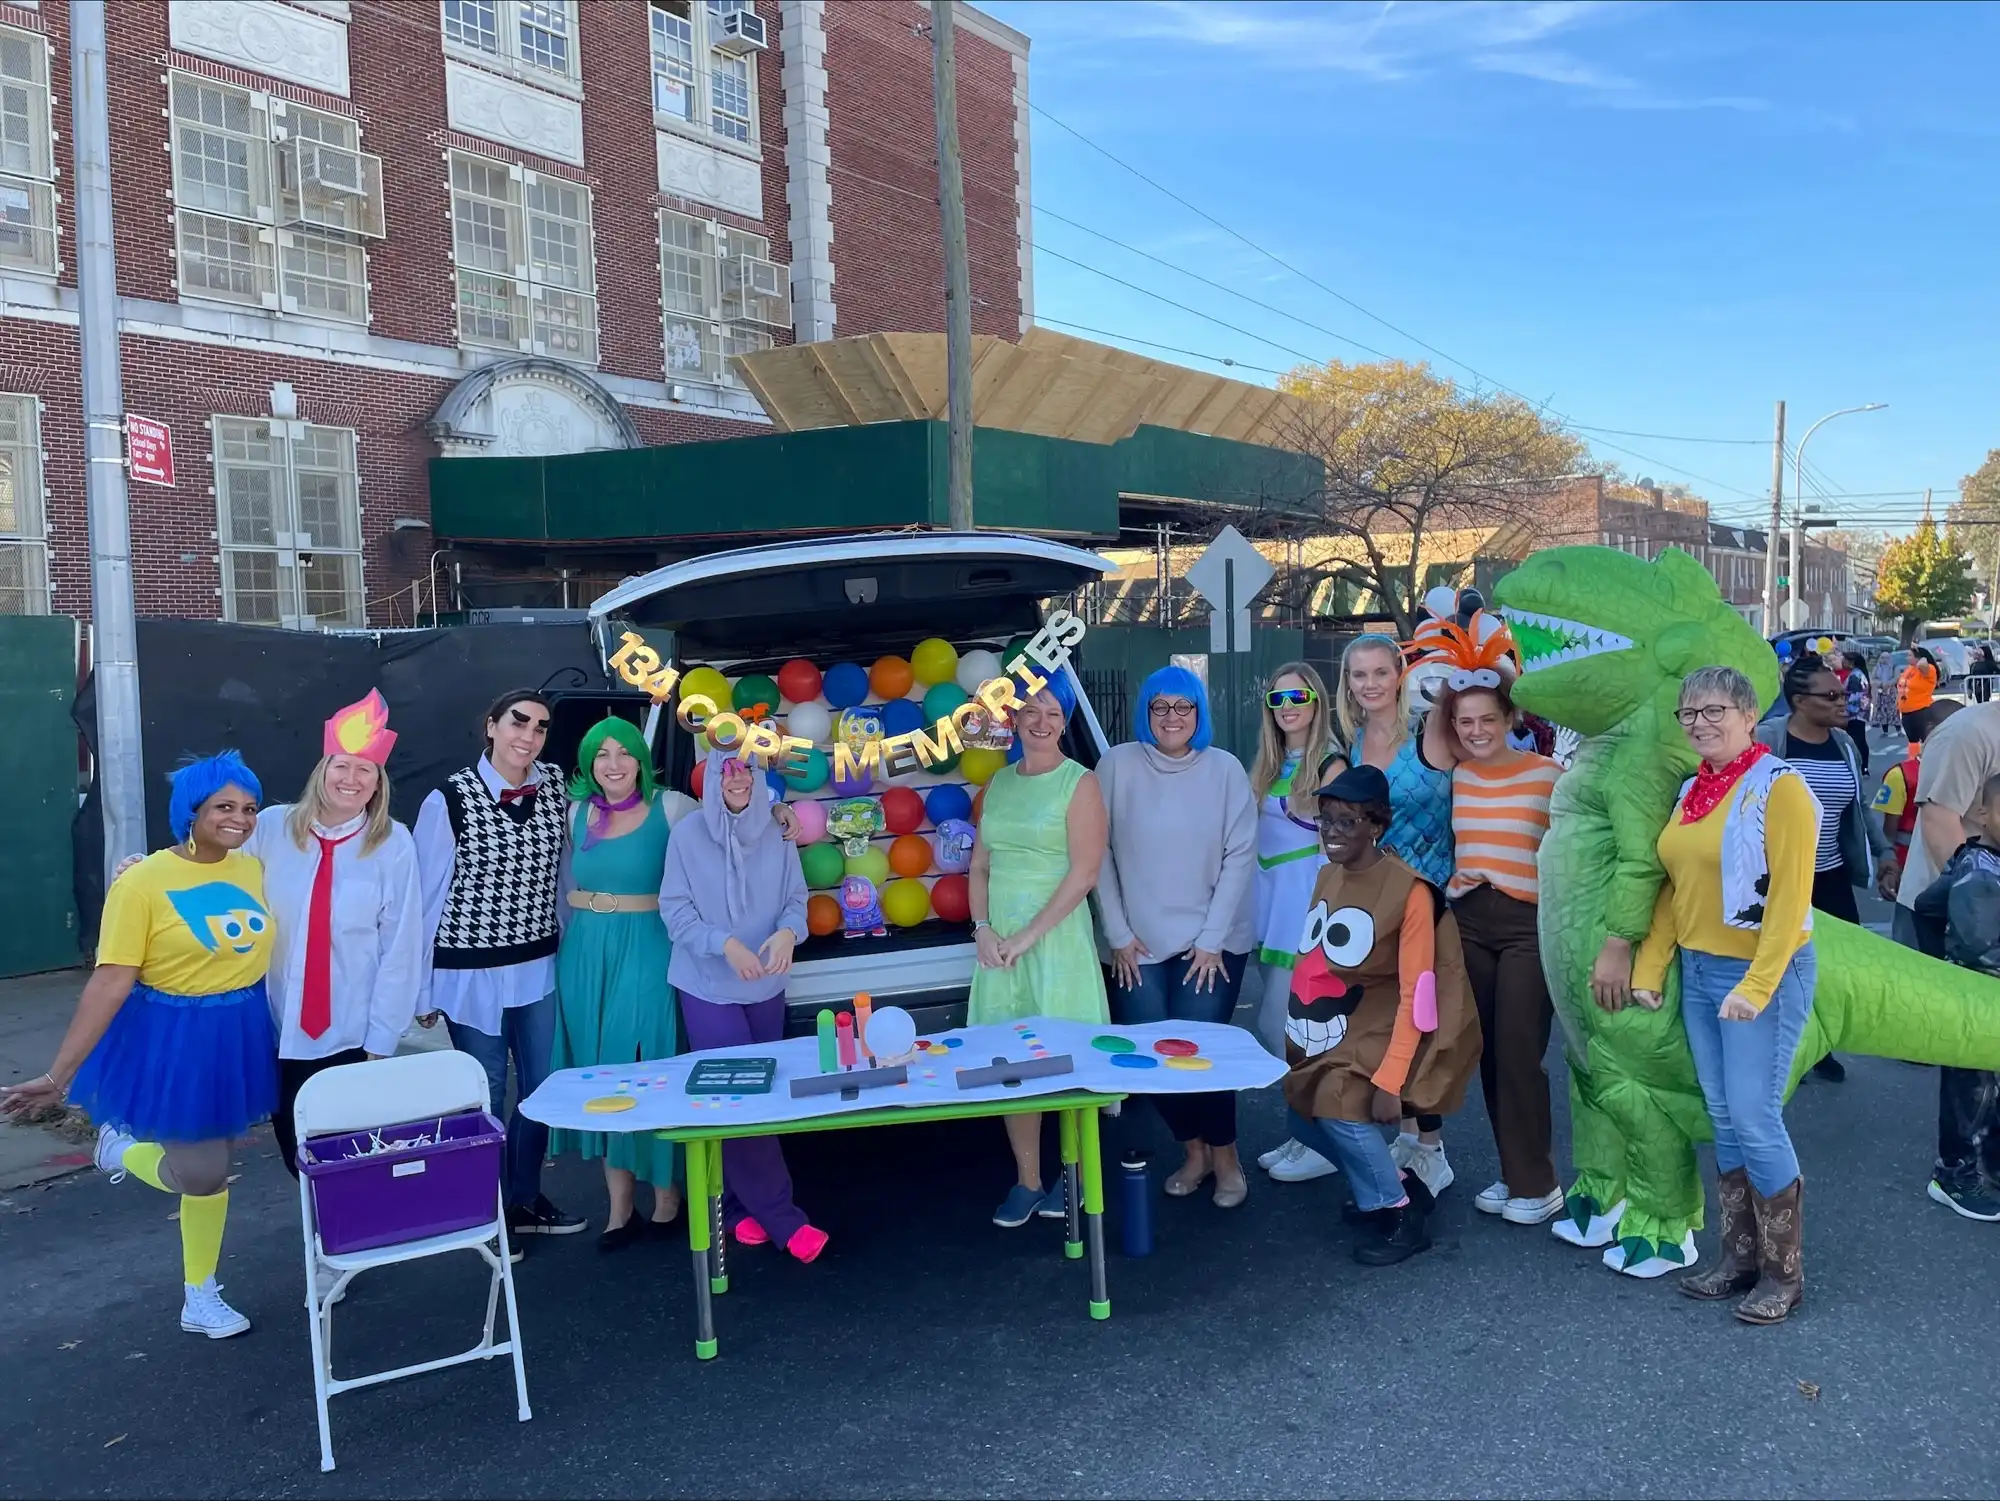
{"x": 268, "y": 693}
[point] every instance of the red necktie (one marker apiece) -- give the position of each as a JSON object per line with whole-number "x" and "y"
{"x": 316, "y": 1006}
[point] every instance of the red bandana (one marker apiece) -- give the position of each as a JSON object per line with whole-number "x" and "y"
{"x": 1712, "y": 786}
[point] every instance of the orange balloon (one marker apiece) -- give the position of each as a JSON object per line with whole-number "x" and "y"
{"x": 822, "y": 916}
{"x": 910, "y": 855}
{"x": 890, "y": 678}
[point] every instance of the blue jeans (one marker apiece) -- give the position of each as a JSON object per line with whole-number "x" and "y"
{"x": 1743, "y": 1066}
{"x": 1161, "y": 995}
{"x": 1363, "y": 1154}
{"x": 528, "y": 1035}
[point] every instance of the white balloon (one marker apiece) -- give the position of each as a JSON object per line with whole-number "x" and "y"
{"x": 892, "y": 1032}
{"x": 810, "y": 722}
{"x": 976, "y": 667}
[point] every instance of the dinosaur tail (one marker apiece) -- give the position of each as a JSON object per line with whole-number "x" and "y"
{"x": 1877, "y": 998}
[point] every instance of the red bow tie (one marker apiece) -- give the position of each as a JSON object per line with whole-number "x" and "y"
{"x": 516, "y": 794}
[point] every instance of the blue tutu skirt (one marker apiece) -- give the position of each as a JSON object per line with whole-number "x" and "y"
{"x": 183, "y": 1067}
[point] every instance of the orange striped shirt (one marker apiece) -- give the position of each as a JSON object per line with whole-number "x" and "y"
{"x": 1499, "y": 813}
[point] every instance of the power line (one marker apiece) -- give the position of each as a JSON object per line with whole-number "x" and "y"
{"x": 1666, "y": 437}
{"x": 1193, "y": 354}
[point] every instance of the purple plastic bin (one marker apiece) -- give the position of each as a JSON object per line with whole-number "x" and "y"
{"x": 388, "y": 1198}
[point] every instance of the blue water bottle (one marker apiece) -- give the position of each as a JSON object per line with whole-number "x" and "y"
{"x": 1135, "y": 1204}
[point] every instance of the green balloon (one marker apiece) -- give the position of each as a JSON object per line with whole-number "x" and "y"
{"x": 871, "y": 864}
{"x": 941, "y": 700}
{"x": 1014, "y": 649}
{"x": 823, "y": 866}
{"x": 755, "y": 689}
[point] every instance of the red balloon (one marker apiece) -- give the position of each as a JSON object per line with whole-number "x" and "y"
{"x": 951, "y": 898}
{"x": 902, "y": 811}
{"x": 799, "y": 681}
{"x": 694, "y": 782}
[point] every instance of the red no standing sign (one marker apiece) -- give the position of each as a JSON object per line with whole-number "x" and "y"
{"x": 149, "y": 450}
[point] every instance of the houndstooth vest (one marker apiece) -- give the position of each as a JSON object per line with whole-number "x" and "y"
{"x": 502, "y": 905}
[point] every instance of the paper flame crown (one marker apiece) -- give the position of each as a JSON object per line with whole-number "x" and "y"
{"x": 1478, "y": 654}
{"x": 361, "y": 729}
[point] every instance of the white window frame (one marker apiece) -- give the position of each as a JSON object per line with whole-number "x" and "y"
{"x": 28, "y": 535}
{"x": 279, "y": 239}
{"x": 510, "y": 54}
{"x": 701, "y": 269}
{"x": 539, "y": 286}
{"x": 696, "y": 74}
{"x": 30, "y": 229}
{"x": 292, "y": 550}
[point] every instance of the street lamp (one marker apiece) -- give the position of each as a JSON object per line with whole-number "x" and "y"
{"x": 1798, "y": 499}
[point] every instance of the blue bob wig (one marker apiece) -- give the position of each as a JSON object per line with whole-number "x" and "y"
{"x": 1175, "y": 682}
{"x": 198, "y": 781}
{"x": 1057, "y": 686}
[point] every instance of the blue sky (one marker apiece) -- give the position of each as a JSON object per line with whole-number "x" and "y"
{"x": 1653, "y": 217}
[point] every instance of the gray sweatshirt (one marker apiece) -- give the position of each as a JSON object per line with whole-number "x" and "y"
{"x": 1182, "y": 854}
{"x": 729, "y": 875}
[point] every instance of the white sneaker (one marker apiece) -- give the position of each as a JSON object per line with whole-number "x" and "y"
{"x": 1403, "y": 1152}
{"x": 1533, "y": 1211}
{"x": 110, "y": 1154}
{"x": 204, "y": 1312}
{"x": 1492, "y": 1199}
{"x": 324, "y": 1278}
{"x": 1430, "y": 1168}
{"x": 1277, "y": 1154}
{"x": 1299, "y": 1163}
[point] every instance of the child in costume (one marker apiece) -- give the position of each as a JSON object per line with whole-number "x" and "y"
{"x": 171, "y": 1049}
{"x": 1380, "y": 1014}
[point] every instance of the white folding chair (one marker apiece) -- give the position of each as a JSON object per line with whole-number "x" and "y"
{"x": 387, "y": 1092}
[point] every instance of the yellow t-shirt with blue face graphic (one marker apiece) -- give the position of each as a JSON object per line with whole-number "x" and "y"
{"x": 189, "y": 929}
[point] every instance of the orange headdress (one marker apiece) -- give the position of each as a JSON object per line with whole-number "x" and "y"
{"x": 361, "y": 729}
{"x": 1478, "y": 654}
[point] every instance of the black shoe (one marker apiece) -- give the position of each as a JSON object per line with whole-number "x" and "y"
{"x": 1963, "y": 1193}
{"x": 1406, "y": 1230}
{"x": 541, "y": 1218}
{"x": 1354, "y": 1214}
{"x": 1831, "y": 1069}
{"x": 617, "y": 1239}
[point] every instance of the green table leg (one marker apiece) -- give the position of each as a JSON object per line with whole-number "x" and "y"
{"x": 1066, "y": 1121}
{"x": 1093, "y": 1211}
{"x": 700, "y": 1228}
{"x": 718, "y": 1255}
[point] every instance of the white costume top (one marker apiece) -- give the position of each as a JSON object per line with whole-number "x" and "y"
{"x": 1288, "y": 862}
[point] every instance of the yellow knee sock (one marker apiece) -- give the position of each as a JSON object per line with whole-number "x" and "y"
{"x": 201, "y": 1235}
{"x": 142, "y": 1161}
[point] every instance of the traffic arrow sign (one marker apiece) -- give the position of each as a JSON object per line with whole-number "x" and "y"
{"x": 1229, "y": 575}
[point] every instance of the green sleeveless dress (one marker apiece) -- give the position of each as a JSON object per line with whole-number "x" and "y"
{"x": 1025, "y": 828}
{"x": 613, "y": 1003}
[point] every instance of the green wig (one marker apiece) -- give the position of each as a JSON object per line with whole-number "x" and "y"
{"x": 584, "y": 785}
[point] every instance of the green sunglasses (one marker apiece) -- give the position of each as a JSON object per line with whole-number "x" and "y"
{"x": 1295, "y": 698}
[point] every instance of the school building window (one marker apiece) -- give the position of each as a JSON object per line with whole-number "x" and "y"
{"x": 288, "y": 516}
{"x": 720, "y": 294}
{"x": 705, "y": 66}
{"x": 527, "y": 272}
{"x": 24, "y": 552}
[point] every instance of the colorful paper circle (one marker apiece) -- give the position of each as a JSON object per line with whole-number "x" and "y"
{"x": 1190, "y": 1063}
{"x": 1110, "y": 1044}
{"x": 1176, "y": 1047}
{"x": 609, "y": 1104}
{"x": 1133, "y": 1060}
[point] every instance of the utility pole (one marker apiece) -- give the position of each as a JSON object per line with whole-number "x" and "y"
{"x": 1777, "y": 524}
{"x": 115, "y": 645}
{"x": 957, "y": 278}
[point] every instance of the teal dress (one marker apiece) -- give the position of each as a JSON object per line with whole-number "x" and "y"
{"x": 613, "y": 1003}
{"x": 1025, "y": 828}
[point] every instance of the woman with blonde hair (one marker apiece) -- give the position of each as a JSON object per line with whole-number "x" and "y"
{"x": 1295, "y": 754}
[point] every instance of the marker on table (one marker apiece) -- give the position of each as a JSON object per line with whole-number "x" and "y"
{"x": 827, "y": 1063}
{"x": 845, "y": 1024}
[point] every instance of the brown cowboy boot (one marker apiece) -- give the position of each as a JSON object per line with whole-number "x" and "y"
{"x": 1781, "y": 1284}
{"x": 1736, "y": 1272}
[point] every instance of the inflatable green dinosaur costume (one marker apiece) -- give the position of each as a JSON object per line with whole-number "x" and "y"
{"x": 1605, "y": 639}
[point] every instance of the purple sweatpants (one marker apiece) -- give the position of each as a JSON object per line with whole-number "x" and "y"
{"x": 756, "y": 1182}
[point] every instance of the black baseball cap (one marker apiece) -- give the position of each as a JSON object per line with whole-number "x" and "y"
{"x": 1358, "y": 785}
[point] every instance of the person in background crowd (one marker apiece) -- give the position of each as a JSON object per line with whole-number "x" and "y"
{"x": 734, "y": 896}
{"x": 1854, "y": 682}
{"x": 170, "y": 1050}
{"x": 1378, "y": 728}
{"x": 1961, "y": 757}
{"x": 1499, "y": 815}
{"x": 489, "y": 851}
{"x": 1295, "y": 731}
{"x": 1736, "y": 906}
{"x": 1851, "y": 850}
{"x": 1916, "y": 691}
{"x": 1984, "y": 669}
{"x": 1381, "y": 1015}
{"x": 1040, "y": 851}
{"x": 1896, "y": 801}
{"x": 614, "y": 1005}
{"x": 1173, "y": 894}
{"x": 1965, "y": 902}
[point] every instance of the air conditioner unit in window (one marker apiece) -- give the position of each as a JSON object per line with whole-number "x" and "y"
{"x": 755, "y": 290}
{"x": 331, "y": 187}
{"x": 742, "y": 31}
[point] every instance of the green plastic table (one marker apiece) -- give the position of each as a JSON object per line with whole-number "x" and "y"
{"x": 1083, "y": 1176}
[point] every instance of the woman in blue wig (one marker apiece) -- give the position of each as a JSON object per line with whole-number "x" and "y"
{"x": 171, "y": 1050}
{"x": 1175, "y": 898}
{"x": 614, "y": 1005}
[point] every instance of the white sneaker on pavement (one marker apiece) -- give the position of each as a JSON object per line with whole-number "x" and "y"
{"x": 1299, "y": 1163}
{"x": 1428, "y": 1164}
{"x": 204, "y": 1312}
{"x": 1533, "y": 1211}
{"x": 1492, "y": 1199}
{"x": 1403, "y": 1151}
{"x": 110, "y": 1154}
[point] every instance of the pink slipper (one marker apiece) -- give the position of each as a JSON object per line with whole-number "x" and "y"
{"x": 807, "y": 1242}
{"x": 749, "y": 1233}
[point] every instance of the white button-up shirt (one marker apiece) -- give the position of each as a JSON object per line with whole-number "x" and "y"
{"x": 475, "y": 998}
{"x": 377, "y": 963}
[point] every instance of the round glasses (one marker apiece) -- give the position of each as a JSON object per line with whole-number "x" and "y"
{"x": 1171, "y": 708}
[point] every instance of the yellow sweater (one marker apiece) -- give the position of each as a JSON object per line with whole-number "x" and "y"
{"x": 1688, "y": 914}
